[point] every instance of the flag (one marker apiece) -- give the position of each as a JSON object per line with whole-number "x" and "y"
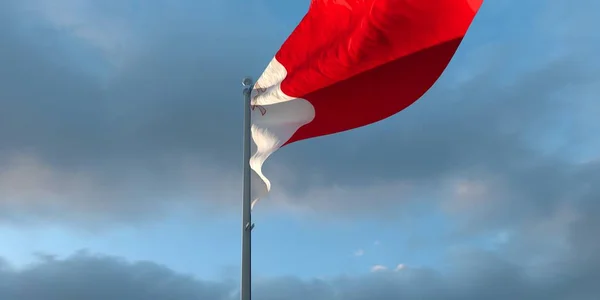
{"x": 350, "y": 63}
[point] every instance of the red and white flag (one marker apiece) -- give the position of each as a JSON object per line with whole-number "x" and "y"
{"x": 350, "y": 63}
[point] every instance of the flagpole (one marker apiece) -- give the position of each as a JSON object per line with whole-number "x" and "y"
{"x": 245, "y": 288}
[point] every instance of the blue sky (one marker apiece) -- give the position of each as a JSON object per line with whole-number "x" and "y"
{"x": 120, "y": 135}
{"x": 283, "y": 244}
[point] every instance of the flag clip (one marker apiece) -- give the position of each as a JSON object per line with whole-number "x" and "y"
{"x": 249, "y": 227}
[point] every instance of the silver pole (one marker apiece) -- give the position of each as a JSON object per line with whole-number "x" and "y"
{"x": 245, "y": 291}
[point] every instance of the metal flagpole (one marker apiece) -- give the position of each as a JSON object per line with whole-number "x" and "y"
{"x": 247, "y": 225}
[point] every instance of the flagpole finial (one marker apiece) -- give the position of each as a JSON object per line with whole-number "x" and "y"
{"x": 247, "y": 81}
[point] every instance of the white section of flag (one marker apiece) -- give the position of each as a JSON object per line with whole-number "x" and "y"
{"x": 275, "y": 118}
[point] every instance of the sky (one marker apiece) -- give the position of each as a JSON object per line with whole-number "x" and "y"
{"x": 120, "y": 161}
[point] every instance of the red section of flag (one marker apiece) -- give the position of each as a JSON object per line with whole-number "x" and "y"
{"x": 360, "y": 61}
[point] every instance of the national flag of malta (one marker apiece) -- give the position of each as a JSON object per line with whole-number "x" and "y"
{"x": 350, "y": 63}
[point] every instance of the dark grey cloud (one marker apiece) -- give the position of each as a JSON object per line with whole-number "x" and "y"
{"x": 128, "y": 119}
{"x": 85, "y": 129}
{"x": 84, "y": 276}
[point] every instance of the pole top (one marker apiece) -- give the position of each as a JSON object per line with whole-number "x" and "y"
{"x": 247, "y": 82}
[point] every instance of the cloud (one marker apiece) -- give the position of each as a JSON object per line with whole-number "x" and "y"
{"x": 119, "y": 108}
{"x": 470, "y": 275}
{"x": 33, "y": 192}
{"x": 378, "y": 268}
{"x": 83, "y": 276}
{"x": 359, "y": 252}
{"x": 400, "y": 267}
{"x": 381, "y": 268}
{"x": 81, "y": 132}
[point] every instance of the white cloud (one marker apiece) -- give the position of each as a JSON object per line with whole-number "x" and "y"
{"x": 378, "y": 268}
{"x": 359, "y": 252}
{"x": 399, "y": 267}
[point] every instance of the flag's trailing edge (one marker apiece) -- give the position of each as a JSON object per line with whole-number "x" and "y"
{"x": 350, "y": 63}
